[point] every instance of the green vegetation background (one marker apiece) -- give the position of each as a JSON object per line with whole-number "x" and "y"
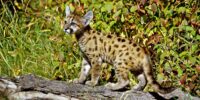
{"x": 32, "y": 39}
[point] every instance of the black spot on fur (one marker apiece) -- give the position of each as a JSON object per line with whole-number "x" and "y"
{"x": 138, "y": 54}
{"x": 94, "y": 37}
{"x": 127, "y": 53}
{"x": 126, "y": 68}
{"x": 113, "y": 52}
{"x": 134, "y": 44}
{"x": 119, "y": 39}
{"x": 96, "y": 47}
{"x": 93, "y": 62}
{"x": 95, "y": 40}
{"x": 109, "y": 36}
{"x": 138, "y": 49}
{"x": 104, "y": 44}
{"x": 123, "y": 46}
{"x": 117, "y": 71}
{"x": 120, "y": 54}
{"x": 123, "y": 40}
{"x": 149, "y": 73}
{"x": 90, "y": 49}
{"x": 109, "y": 48}
{"x": 116, "y": 46}
{"x": 101, "y": 40}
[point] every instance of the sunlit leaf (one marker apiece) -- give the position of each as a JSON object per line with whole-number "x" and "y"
{"x": 180, "y": 71}
{"x": 122, "y": 18}
{"x": 125, "y": 11}
{"x": 160, "y": 78}
{"x": 119, "y": 4}
{"x": 117, "y": 14}
{"x": 154, "y": 7}
{"x": 108, "y": 6}
{"x": 184, "y": 53}
{"x": 181, "y": 9}
{"x": 133, "y": 8}
{"x": 142, "y": 20}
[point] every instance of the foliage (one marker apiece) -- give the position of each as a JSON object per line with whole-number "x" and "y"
{"x": 33, "y": 41}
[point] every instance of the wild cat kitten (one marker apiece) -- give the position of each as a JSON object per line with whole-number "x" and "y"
{"x": 123, "y": 54}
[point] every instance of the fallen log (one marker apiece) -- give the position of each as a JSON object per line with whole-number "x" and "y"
{"x": 31, "y": 87}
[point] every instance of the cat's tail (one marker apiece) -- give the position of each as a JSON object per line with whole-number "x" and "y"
{"x": 147, "y": 67}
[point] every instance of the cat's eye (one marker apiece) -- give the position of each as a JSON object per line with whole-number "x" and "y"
{"x": 73, "y": 23}
{"x": 65, "y": 22}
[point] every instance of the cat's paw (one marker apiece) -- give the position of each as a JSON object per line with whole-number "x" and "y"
{"x": 110, "y": 85}
{"x": 90, "y": 83}
{"x": 76, "y": 80}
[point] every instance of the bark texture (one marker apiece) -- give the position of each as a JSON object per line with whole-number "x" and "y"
{"x": 31, "y": 87}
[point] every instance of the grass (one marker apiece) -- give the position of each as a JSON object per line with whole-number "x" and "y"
{"x": 34, "y": 43}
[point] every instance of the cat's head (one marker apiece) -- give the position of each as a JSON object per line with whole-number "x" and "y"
{"x": 74, "y": 23}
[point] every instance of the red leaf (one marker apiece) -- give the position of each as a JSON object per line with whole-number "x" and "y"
{"x": 183, "y": 79}
{"x": 198, "y": 68}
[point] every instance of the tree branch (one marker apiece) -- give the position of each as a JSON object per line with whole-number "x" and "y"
{"x": 34, "y": 87}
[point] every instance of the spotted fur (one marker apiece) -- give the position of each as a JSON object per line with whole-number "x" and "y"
{"x": 125, "y": 55}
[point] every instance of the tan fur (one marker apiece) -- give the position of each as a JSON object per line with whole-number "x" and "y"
{"x": 125, "y": 55}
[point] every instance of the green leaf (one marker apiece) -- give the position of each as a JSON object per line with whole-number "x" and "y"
{"x": 188, "y": 29}
{"x": 173, "y": 53}
{"x": 180, "y": 71}
{"x": 163, "y": 55}
{"x": 181, "y": 9}
{"x": 194, "y": 48}
{"x": 163, "y": 31}
{"x": 108, "y": 6}
{"x": 125, "y": 11}
{"x": 198, "y": 37}
{"x": 122, "y": 18}
{"x": 192, "y": 59}
{"x": 160, "y": 77}
{"x": 184, "y": 22}
{"x": 97, "y": 5}
{"x": 154, "y": 7}
{"x": 184, "y": 54}
{"x": 142, "y": 20}
{"x": 171, "y": 31}
{"x": 117, "y": 14}
{"x": 71, "y": 8}
{"x": 119, "y": 4}
{"x": 167, "y": 67}
{"x": 112, "y": 23}
{"x": 133, "y": 8}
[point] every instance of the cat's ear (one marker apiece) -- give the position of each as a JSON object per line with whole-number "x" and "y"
{"x": 87, "y": 18}
{"x": 67, "y": 11}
